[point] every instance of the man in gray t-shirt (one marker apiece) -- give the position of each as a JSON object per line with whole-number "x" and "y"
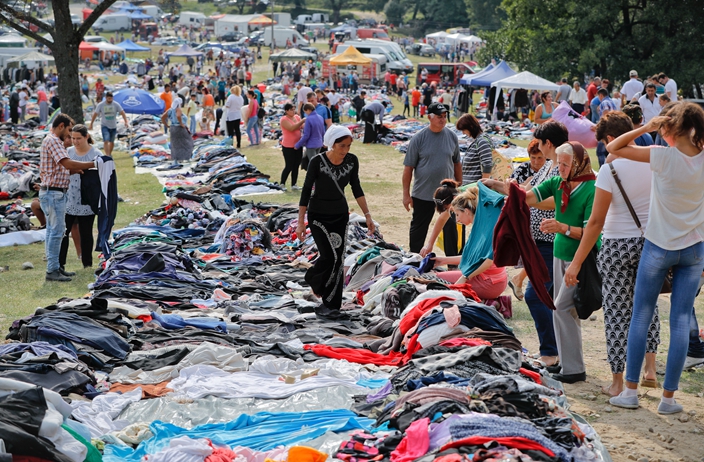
{"x": 433, "y": 155}
{"x": 563, "y": 92}
{"x": 108, "y": 111}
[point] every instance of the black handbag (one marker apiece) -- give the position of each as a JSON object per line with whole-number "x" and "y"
{"x": 667, "y": 284}
{"x": 587, "y": 297}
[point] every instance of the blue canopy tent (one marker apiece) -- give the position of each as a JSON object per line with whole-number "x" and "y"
{"x": 137, "y": 101}
{"x": 465, "y": 77}
{"x": 501, "y": 71}
{"x": 129, "y": 8}
{"x": 129, "y": 45}
{"x": 140, "y": 15}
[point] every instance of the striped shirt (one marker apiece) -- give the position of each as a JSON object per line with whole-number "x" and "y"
{"x": 53, "y": 174}
{"x": 477, "y": 160}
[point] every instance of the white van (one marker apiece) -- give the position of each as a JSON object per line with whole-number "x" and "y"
{"x": 320, "y": 17}
{"x": 398, "y": 62}
{"x": 190, "y": 18}
{"x": 304, "y": 18}
{"x": 153, "y": 11}
{"x": 281, "y": 34}
{"x": 282, "y": 19}
{"x": 113, "y": 22}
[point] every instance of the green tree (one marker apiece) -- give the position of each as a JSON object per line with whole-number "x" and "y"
{"x": 440, "y": 15}
{"x": 64, "y": 41}
{"x": 486, "y": 14}
{"x": 496, "y": 47}
{"x": 336, "y": 6}
{"x": 569, "y": 38}
{"x": 394, "y": 11}
{"x": 171, "y": 6}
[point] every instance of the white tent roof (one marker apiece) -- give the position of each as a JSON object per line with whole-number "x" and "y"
{"x": 107, "y": 46}
{"x": 436, "y": 35}
{"x": 471, "y": 39}
{"x": 526, "y": 80}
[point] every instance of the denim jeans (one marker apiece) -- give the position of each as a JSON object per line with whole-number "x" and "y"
{"x": 687, "y": 265}
{"x": 253, "y": 130}
{"x": 542, "y": 315}
{"x": 193, "y": 124}
{"x": 53, "y": 205}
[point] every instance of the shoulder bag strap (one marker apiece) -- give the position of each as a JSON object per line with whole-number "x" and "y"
{"x": 626, "y": 199}
{"x": 329, "y": 166}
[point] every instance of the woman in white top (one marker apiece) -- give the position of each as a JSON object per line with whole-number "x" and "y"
{"x": 82, "y": 151}
{"x": 621, "y": 249}
{"x": 233, "y": 113}
{"x": 674, "y": 239}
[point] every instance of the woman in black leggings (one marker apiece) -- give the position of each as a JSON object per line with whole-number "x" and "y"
{"x": 291, "y": 124}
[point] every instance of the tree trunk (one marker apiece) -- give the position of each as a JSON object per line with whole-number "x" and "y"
{"x": 66, "y": 56}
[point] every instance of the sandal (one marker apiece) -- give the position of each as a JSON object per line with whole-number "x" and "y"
{"x": 517, "y": 291}
{"x": 649, "y": 383}
{"x": 543, "y": 365}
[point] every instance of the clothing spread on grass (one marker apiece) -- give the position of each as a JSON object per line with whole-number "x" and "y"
{"x": 199, "y": 342}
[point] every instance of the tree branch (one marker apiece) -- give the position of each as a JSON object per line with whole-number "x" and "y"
{"x": 97, "y": 12}
{"x": 22, "y": 16}
{"x": 25, "y": 30}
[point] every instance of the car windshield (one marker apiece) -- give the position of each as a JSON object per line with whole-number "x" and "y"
{"x": 394, "y": 56}
{"x": 382, "y": 35}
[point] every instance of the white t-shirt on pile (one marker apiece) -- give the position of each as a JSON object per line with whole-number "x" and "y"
{"x": 635, "y": 178}
{"x": 677, "y": 202}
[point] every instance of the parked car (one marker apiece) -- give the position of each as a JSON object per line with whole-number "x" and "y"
{"x": 420, "y": 49}
{"x": 168, "y": 41}
{"x": 231, "y": 37}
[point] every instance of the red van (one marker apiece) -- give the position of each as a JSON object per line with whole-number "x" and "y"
{"x": 449, "y": 73}
{"x": 380, "y": 34}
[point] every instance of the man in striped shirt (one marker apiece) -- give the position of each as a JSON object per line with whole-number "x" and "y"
{"x": 55, "y": 168}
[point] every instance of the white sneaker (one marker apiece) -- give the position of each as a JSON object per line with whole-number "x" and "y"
{"x": 295, "y": 188}
{"x": 691, "y": 362}
{"x": 628, "y": 402}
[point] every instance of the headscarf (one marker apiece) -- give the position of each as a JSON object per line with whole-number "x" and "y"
{"x": 176, "y": 103}
{"x": 333, "y": 133}
{"x": 581, "y": 171}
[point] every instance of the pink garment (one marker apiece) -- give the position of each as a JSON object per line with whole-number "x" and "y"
{"x": 488, "y": 285}
{"x": 452, "y": 316}
{"x": 220, "y": 454}
{"x": 415, "y": 444}
{"x": 463, "y": 341}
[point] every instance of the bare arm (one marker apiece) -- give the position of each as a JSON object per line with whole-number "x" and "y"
{"x": 362, "y": 202}
{"x": 301, "y": 228}
{"x": 437, "y": 227}
{"x": 124, "y": 116}
{"x": 92, "y": 120}
{"x": 602, "y": 202}
{"x": 406, "y": 182}
{"x": 622, "y": 147}
{"x": 486, "y": 264}
{"x": 458, "y": 172}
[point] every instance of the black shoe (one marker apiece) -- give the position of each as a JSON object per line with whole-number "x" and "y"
{"x": 56, "y": 276}
{"x": 554, "y": 369}
{"x": 69, "y": 274}
{"x": 323, "y": 311}
{"x": 570, "y": 378}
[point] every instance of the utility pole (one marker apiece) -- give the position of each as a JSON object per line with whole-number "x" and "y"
{"x": 273, "y": 43}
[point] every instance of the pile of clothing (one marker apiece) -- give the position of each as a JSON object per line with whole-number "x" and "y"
{"x": 17, "y": 178}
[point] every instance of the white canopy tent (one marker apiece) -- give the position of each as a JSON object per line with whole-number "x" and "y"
{"x": 526, "y": 80}
{"x": 452, "y": 39}
{"x": 438, "y": 36}
{"x": 107, "y": 47}
{"x": 471, "y": 39}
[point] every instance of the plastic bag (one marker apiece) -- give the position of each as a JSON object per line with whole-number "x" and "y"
{"x": 588, "y": 297}
{"x": 579, "y": 127}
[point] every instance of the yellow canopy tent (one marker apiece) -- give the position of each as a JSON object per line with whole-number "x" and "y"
{"x": 350, "y": 56}
{"x": 261, "y": 21}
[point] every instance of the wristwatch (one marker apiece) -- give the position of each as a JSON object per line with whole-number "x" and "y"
{"x": 569, "y": 230}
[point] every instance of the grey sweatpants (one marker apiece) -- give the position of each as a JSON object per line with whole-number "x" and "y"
{"x": 568, "y": 329}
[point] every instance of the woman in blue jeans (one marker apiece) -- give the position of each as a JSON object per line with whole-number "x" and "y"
{"x": 674, "y": 240}
{"x": 253, "y": 132}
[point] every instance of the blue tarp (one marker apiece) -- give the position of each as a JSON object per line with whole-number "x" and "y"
{"x": 129, "y": 45}
{"x": 465, "y": 78}
{"x": 501, "y": 71}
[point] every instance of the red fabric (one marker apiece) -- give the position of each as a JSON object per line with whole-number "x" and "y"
{"x": 512, "y": 240}
{"x": 220, "y": 454}
{"x": 415, "y": 444}
{"x": 361, "y": 356}
{"x": 466, "y": 290}
{"x": 509, "y": 442}
{"x": 463, "y": 341}
{"x": 531, "y": 375}
{"x": 411, "y": 319}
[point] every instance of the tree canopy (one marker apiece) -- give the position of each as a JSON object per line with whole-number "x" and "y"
{"x": 608, "y": 38}
{"x": 64, "y": 42}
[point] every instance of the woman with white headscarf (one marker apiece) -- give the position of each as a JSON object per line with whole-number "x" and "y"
{"x": 328, "y": 215}
{"x": 181, "y": 141}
